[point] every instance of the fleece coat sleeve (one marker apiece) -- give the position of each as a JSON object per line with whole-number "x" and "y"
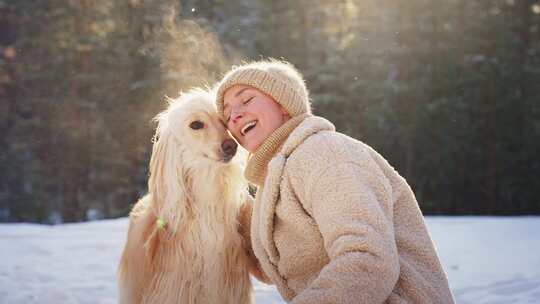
{"x": 351, "y": 205}
{"x": 244, "y": 222}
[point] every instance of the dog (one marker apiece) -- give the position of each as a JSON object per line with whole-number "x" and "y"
{"x": 184, "y": 244}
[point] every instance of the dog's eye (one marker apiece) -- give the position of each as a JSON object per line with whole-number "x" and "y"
{"x": 196, "y": 125}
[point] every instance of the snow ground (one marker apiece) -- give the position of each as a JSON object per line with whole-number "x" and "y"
{"x": 488, "y": 260}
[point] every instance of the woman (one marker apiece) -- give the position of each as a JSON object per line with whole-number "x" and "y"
{"x": 332, "y": 221}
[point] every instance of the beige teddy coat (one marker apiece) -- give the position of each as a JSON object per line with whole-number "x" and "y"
{"x": 333, "y": 222}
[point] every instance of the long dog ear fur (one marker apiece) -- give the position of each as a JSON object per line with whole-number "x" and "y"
{"x": 167, "y": 181}
{"x": 166, "y": 184}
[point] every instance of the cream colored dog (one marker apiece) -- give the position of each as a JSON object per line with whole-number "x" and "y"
{"x": 183, "y": 244}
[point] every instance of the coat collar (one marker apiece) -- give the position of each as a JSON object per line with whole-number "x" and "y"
{"x": 257, "y": 164}
{"x": 308, "y": 127}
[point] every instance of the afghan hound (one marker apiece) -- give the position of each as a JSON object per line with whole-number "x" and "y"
{"x": 184, "y": 243}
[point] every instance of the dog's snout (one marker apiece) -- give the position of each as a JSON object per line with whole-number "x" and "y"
{"x": 229, "y": 147}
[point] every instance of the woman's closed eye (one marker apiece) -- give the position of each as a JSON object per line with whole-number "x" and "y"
{"x": 245, "y": 102}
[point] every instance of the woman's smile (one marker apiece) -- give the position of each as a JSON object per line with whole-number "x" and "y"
{"x": 248, "y": 127}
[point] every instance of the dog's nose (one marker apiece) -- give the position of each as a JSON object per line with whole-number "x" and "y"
{"x": 229, "y": 147}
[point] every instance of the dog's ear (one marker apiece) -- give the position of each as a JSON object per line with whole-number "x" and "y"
{"x": 158, "y": 171}
{"x": 166, "y": 183}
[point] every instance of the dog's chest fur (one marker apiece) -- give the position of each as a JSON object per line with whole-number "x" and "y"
{"x": 196, "y": 263}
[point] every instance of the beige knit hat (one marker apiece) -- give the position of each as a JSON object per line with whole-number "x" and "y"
{"x": 278, "y": 79}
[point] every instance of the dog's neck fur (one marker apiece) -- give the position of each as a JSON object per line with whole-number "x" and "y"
{"x": 204, "y": 240}
{"x": 212, "y": 193}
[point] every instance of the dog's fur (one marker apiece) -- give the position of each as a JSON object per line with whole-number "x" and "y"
{"x": 198, "y": 255}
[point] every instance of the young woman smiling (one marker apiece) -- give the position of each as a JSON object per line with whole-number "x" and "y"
{"x": 332, "y": 221}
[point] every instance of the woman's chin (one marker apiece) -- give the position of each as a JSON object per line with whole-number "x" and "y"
{"x": 251, "y": 145}
{"x": 251, "y": 149}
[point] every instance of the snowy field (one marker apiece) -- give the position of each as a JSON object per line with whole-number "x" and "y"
{"x": 488, "y": 260}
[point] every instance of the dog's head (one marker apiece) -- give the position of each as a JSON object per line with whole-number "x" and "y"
{"x": 192, "y": 123}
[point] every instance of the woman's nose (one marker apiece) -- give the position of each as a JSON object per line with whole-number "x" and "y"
{"x": 235, "y": 116}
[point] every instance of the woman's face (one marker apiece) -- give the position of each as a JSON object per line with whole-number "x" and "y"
{"x": 251, "y": 116}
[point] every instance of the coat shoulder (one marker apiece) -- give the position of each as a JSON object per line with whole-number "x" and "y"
{"x": 328, "y": 147}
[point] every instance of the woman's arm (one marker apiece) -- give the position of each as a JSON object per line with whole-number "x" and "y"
{"x": 351, "y": 204}
{"x": 244, "y": 220}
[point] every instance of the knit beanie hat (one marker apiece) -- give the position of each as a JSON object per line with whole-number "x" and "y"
{"x": 278, "y": 79}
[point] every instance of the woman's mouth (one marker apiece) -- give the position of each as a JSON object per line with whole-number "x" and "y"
{"x": 248, "y": 127}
